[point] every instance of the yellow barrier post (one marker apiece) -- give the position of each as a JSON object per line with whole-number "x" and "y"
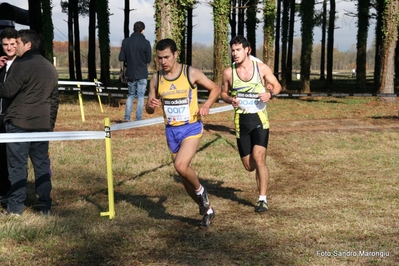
{"x": 82, "y": 112}
{"x": 110, "y": 178}
{"x": 98, "y": 96}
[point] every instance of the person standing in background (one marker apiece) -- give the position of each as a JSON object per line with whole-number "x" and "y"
{"x": 32, "y": 84}
{"x": 8, "y": 39}
{"x": 136, "y": 53}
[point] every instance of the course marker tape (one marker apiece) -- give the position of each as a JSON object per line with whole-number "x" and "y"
{"x": 50, "y": 136}
{"x": 160, "y": 119}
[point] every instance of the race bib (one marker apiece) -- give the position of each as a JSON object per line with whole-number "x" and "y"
{"x": 176, "y": 110}
{"x": 249, "y": 102}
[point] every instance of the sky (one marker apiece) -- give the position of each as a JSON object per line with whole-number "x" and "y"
{"x": 344, "y": 39}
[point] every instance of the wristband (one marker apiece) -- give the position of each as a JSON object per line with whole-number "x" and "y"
{"x": 271, "y": 95}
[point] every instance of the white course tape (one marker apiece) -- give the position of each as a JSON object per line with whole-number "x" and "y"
{"x": 81, "y": 135}
{"x": 50, "y": 136}
{"x": 75, "y": 83}
{"x": 158, "y": 120}
{"x": 140, "y": 123}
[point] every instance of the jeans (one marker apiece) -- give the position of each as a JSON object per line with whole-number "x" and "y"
{"x": 136, "y": 87}
{"x": 18, "y": 153}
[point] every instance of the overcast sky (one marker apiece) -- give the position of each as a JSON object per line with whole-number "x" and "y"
{"x": 344, "y": 39}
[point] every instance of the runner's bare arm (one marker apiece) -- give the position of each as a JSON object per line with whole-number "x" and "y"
{"x": 270, "y": 79}
{"x": 152, "y": 101}
{"x": 199, "y": 78}
{"x": 227, "y": 80}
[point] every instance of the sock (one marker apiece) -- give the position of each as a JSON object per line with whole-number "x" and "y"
{"x": 200, "y": 190}
{"x": 262, "y": 198}
{"x": 209, "y": 211}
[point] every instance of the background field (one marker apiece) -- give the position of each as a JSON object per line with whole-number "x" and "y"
{"x": 333, "y": 193}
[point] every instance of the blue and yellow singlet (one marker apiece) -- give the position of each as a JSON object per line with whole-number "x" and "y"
{"x": 179, "y": 98}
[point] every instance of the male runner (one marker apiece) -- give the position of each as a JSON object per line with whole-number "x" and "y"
{"x": 244, "y": 86}
{"x": 175, "y": 89}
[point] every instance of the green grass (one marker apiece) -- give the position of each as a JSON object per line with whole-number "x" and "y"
{"x": 333, "y": 188}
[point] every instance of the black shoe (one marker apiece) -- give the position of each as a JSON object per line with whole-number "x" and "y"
{"x": 203, "y": 202}
{"x": 206, "y": 220}
{"x": 262, "y": 206}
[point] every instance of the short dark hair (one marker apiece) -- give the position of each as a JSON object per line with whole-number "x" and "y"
{"x": 166, "y": 43}
{"x": 30, "y": 36}
{"x": 239, "y": 39}
{"x": 138, "y": 26}
{"x": 9, "y": 33}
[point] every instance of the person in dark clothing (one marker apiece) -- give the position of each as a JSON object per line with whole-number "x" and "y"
{"x": 136, "y": 54}
{"x": 8, "y": 39}
{"x": 32, "y": 84}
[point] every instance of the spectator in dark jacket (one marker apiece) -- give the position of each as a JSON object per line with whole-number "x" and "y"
{"x": 136, "y": 53}
{"x": 32, "y": 86}
{"x": 8, "y": 39}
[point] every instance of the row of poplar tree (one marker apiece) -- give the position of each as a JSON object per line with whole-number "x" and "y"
{"x": 173, "y": 19}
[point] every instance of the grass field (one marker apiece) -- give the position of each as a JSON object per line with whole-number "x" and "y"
{"x": 333, "y": 193}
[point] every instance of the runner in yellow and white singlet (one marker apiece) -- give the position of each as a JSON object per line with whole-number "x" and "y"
{"x": 248, "y": 85}
{"x": 174, "y": 88}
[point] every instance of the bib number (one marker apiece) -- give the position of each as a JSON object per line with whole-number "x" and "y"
{"x": 249, "y": 102}
{"x": 176, "y": 110}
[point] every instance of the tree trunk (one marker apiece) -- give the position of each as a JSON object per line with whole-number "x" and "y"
{"x": 77, "y": 40}
{"x": 35, "y": 16}
{"x": 233, "y": 18}
{"x": 48, "y": 30}
{"x": 251, "y": 25}
{"x": 290, "y": 41}
{"x": 70, "y": 41}
{"x": 91, "y": 57}
{"x": 221, "y": 11}
{"x": 241, "y": 17}
{"x": 397, "y": 61}
{"x": 330, "y": 44}
{"x": 170, "y": 21}
{"x": 276, "y": 65}
{"x": 284, "y": 40}
{"x": 189, "y": 54}
{"x": 390, "y": 35}
{"x": 362, "y": 34}
{"x": 126, "y": 20}
{"x": 103, "y": 38}
{"x": 323, "y": 41}
{"x": 269, "y": 16}
{"x": 307, "y": 14}
{"x": 378, "y": 45}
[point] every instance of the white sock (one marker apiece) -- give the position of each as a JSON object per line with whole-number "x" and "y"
{"x": 200, "y": 190}
{"x": 209, "y": 211}
{"x": 262, "y": 198}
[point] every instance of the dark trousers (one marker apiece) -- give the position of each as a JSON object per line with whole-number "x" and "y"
{"x": 4, "y": 182}
{"x": 17, "y": 153}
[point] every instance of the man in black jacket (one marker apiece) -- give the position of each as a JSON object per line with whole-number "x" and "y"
{"x": 32, "y": 85}
{"x": 8, "y": 39}
{"x": 136, "y": 53}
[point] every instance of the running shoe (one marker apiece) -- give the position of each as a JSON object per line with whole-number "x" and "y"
{"x": 203, "y": 202}
{"x": 261, "y": 206}
{"x": 206, "y": 220}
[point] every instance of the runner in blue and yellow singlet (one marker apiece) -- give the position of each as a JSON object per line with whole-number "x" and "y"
{"x": 174, "y": 88}
{"x": 244, "y": 86}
